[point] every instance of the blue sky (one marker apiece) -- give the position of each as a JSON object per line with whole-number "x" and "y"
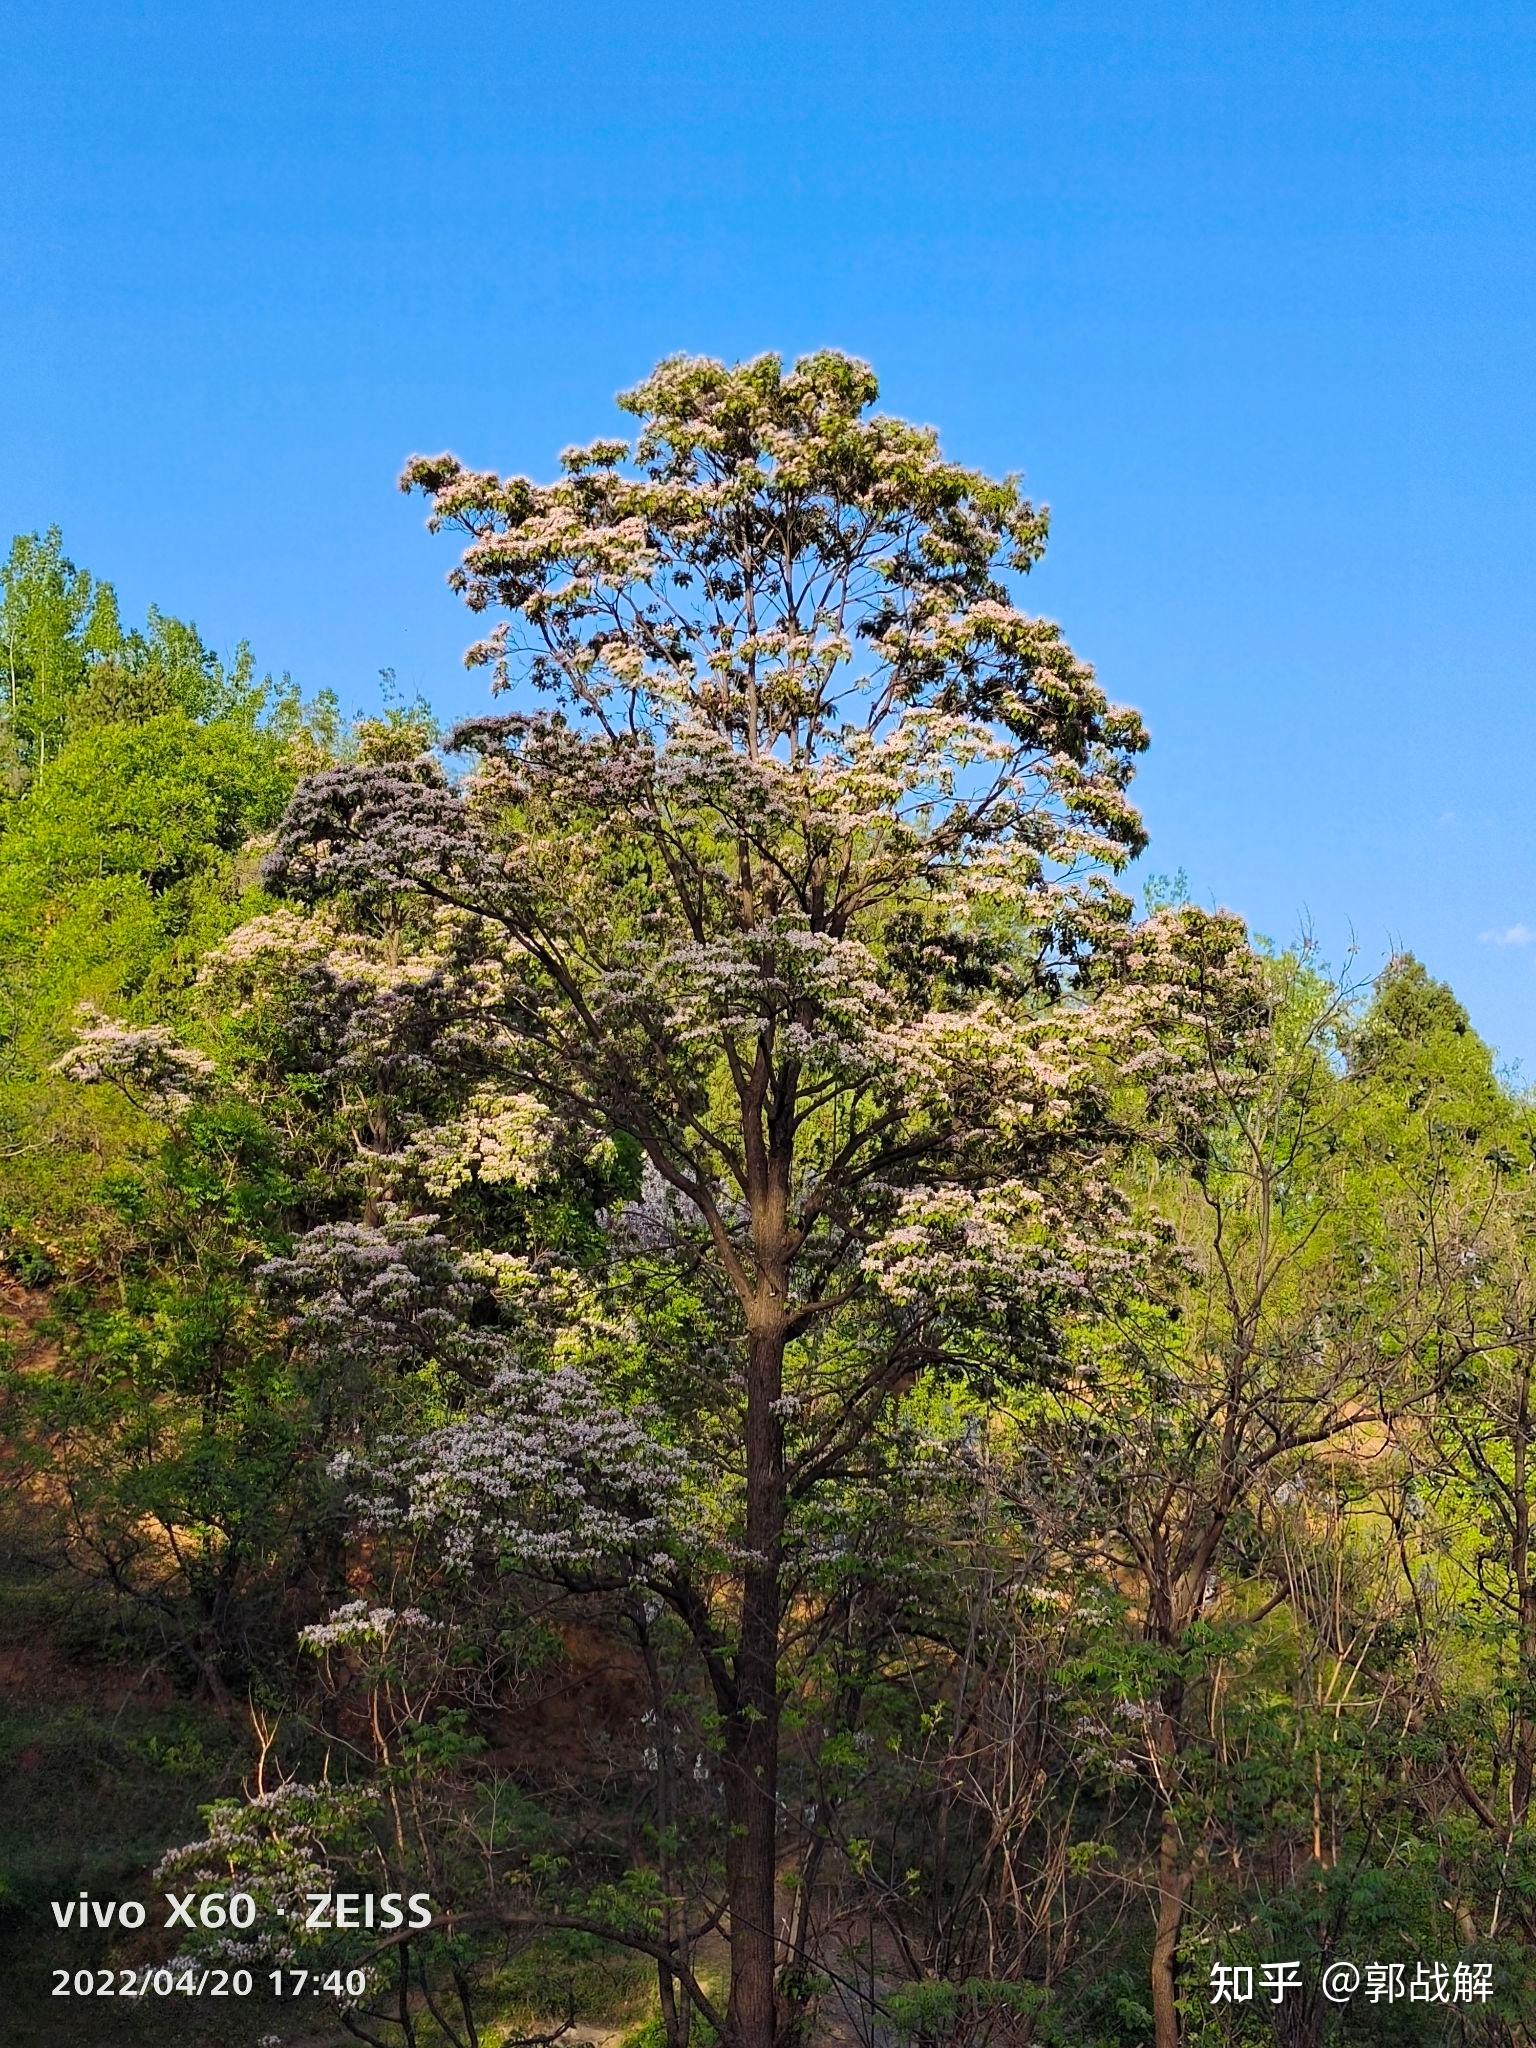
{"x": 1247, "y": 293}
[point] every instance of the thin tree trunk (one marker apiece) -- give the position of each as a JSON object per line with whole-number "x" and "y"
{"x": 1173, "y": 1882}
{"x": 752, "y": 1736}
{"x": 1525, "y": 1589}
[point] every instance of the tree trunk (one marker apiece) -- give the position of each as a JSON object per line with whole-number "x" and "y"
{"x": 1524, "y": 1781}
{"x": 752, "y": 1733}
{"x": 1173, "y": 1882}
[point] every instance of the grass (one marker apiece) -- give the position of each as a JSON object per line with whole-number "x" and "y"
{"x": 576, "y": 1974}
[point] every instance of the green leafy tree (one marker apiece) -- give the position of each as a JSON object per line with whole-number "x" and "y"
{"x": 55, "y": 621}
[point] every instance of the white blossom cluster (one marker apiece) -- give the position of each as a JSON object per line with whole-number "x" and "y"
{"x": 376, "y": 1293}
{"x": 656, "y": 1221}
{"x": 545, "y": 1472}
{"x": 277, "y": 1847}
{"x": 500, "y": 1137}
{"x": 144, "y": 1061}
{"x": 355, "y": 1623}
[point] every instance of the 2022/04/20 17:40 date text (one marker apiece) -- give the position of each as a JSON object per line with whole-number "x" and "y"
{"x": 162, "y": 1982}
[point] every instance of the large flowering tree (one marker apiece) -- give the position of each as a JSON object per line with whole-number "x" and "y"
{"x": 788, "y": 870}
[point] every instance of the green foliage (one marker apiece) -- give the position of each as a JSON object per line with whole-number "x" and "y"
{"x": 69, "y": 666}
{"x": 572, "y": 1976}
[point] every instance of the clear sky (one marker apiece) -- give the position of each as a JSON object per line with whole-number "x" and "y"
{"x": 1247, "y": 292}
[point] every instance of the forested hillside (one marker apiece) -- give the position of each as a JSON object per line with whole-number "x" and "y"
{"x": 670, "y": 1322}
